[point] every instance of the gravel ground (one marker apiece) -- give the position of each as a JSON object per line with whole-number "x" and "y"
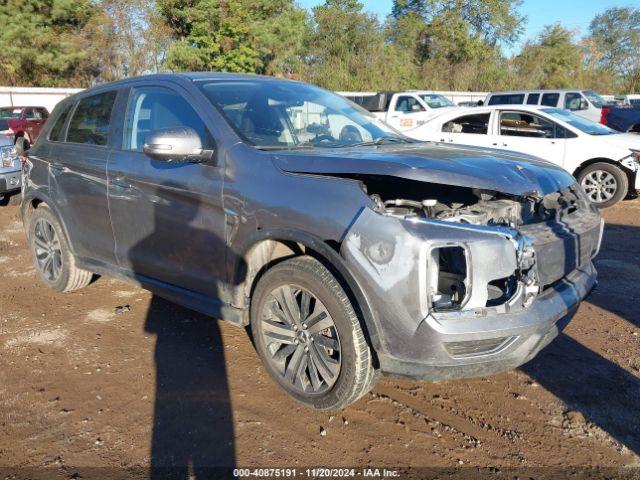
{"x": 86, "y": 384}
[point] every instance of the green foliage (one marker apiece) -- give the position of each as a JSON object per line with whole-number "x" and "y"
{"x": 49, "y": 42}
{"x": 427, "y": 44}
{"x": 259, "y": 36}
{"x": 615, "y": 36}
{"x": 553, "y": 61}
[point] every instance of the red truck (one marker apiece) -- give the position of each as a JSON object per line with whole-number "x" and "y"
{"x": 24, "y": 123}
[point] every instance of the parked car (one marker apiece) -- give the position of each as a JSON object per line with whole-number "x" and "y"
{"x": 631, "y": 99}
{"x": 623, "y": 118}
{"x": 604, "y": 161}
{"x": 584, "y": 103}
{"x": 402, "y": 110}
{"x": 10, "y": 173}
{"x": 346, "y": 258}
{"x": 22, "y": 124}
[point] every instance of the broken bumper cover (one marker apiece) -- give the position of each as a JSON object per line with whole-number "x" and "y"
{"x": 389, "y": 257}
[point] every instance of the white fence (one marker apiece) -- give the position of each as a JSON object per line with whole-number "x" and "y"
{"x": 34, "y": 97}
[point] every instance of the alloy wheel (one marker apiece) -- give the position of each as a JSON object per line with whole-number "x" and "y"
{"x": 301, "y": 340}
{"x": 48, "y": 251}
{"x": 600, "y": 186}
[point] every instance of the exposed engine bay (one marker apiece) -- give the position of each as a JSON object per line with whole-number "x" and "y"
{"x": 467, "y": 205}
{"x": 450, "y": 272}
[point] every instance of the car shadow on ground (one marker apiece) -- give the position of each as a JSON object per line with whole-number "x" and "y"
{"x": 604, "y": 392}
{"x": 193, "y": 434}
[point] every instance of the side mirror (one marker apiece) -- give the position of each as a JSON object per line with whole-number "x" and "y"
{"x": 21, "y": 146}
{"x": 176, "y": 145}
{"x": 416, "y": 108}
{"x": 584, "y": 105}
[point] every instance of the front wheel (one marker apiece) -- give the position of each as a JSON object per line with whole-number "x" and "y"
{"x": 604, "y": 184}
{"x": 309, "y": 337}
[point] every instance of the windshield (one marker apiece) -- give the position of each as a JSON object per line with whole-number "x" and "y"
{"x": 284, "y": 114}
{"x": 595, "y": 99}
{"x": 435, "y": 100}
{"x": 582, "y": 124}
{"x": 10, "y": 113}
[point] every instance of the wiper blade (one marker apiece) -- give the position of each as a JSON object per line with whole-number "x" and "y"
{"x": 377, "y": 141}
{"x": 282, "y": 147}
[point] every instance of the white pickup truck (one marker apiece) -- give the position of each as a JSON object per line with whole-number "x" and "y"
{"x": 402, "y": 110}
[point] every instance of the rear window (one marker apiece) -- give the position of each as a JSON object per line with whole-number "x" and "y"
{"x": 90, "y": 121}
{"x": 550, "y": 99}
{"x": 533, "y": 98}
{"x": 57, "y": 131}
{"x": 478, "y": 123}
{"x": 507, "y": 99}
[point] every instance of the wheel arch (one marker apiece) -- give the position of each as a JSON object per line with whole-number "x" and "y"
{"x": 269, "y": 247}
{"x": 630, "y": 175}
{"x": 33, "y": 200}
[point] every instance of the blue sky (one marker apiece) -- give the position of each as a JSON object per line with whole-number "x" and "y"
{"x": 573, "y": 14}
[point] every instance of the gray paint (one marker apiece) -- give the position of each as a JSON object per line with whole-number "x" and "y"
{"x": 184, "y": 230}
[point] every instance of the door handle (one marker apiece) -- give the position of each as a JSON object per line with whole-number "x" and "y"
{"x": 121, "y": 182}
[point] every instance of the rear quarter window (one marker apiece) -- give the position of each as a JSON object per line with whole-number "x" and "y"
{"x": 550, "y": 99}
{"x": 507, "y": 99}
{"x": 57, "y": 131}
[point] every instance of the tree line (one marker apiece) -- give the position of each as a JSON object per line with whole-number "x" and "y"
{"x": 432, "y": 44}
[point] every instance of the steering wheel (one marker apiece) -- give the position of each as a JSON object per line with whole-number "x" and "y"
{"x": 325, "y": 137}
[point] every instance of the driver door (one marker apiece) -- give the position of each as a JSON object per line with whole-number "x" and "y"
{"x": 407, "y": 113}
{"x": 532, "y": 134}
{"x": 168, "y": 219}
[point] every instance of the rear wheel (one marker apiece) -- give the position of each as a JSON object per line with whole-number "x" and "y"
{"x": 604, "y": 184}
{"x": 309, "y": 336}
{"x": 54, "y": 262}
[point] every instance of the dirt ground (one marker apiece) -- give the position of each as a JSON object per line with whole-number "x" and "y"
{"x": 85, "y": 384}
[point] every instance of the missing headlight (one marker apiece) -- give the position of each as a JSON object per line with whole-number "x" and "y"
{"x": 447, "y": 277}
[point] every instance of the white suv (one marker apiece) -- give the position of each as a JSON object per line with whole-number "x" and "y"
{"x": 585, "y": 103}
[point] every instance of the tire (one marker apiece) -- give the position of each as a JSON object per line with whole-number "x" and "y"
{"x": 47, "y": 241}
{"x": 604, "y": 183}
{"x": 325, "y": 369}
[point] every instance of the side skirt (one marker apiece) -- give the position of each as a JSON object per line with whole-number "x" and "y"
{"x": 206, "y": 305}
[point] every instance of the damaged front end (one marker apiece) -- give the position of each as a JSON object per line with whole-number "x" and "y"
{"x": 467, "y": 282}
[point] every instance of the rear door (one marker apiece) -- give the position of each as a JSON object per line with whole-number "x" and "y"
{"x": 78, "y": 164}
{"x": 469, "y": 129}
{"x": 168, "y": 219}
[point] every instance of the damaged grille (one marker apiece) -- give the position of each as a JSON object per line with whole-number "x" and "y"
{"x": 564, "y": 244}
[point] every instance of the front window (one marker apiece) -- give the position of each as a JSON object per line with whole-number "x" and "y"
{"x": 408, "y": 104}
{"x": 156, "y": 108}
{"x": 272, "y": 114}
{"x": 574, "y": 101}
{"x": 435, "y": 100}
{"x": 524, "y": 124}
{"x": 595, "y": 99}
{"x": 582, "y": 124}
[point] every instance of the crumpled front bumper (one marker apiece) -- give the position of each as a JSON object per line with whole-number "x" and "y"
{"x": 389, "y": 257}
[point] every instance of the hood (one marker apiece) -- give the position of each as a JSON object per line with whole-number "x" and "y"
{"x": 622, "y": 140}
{"x": 486, "y": 169}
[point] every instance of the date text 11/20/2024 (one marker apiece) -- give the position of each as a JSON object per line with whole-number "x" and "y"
{"x": 315, "y": 473}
